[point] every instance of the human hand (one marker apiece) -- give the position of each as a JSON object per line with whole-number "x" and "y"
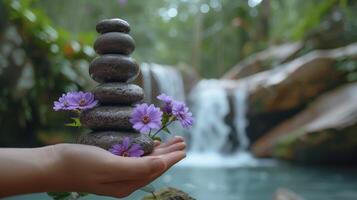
{"x": 84, "y": 168}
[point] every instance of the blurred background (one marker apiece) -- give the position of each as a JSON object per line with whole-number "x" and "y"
{"x": 271, "y": 84}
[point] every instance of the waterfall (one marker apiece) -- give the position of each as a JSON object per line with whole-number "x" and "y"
{"x": 145, "y": 71}
{"x": 209, "y": 105}
{"x": 209, "y": 102}
{"x": 240, "y": 119}
{"x": 169, "y": 81}
{"x": 210, "y": 133}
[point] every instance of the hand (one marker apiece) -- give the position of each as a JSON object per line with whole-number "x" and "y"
{"x": 90, "y": 169}
{"x": 83, "y": 168}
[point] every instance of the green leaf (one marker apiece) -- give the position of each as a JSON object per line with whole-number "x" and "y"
{"x": 82, "y": 194}
{"x": 66, "y": 195}
{"x": 156, "y": 138}
{"x": 59, "y": 195}
{"x": 166, "y": 130}
{"x": 165, "y": 119}
{"x": 76, "y": 122}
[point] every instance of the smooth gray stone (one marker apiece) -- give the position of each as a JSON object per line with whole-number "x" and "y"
{"x": 118, "y": 93}
{"x": 107, "y": 118}
{"x": 113, "y": 25}
{"x": 106, "y": 139}
{"x": 115, "y": 43}
{"x": 113, "y": 68}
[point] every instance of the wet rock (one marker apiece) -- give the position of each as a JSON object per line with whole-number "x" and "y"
{"x": 113, "y": 68}
{"x": 106, "y": 139}
{"x": 114, "y": 43}
{"x": 169, "y": 194}
{"x": 322, "y": 133}
{"x": 282, "y": 92}
{"x": 264, "y": 60}
{"x": 118, "y": 93}
{"x": 107, "y": 118}
{"x": 113, "y": 25}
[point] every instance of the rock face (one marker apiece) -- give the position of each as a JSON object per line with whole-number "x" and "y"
{"x": 113, "y": 69}
{"x": 325, "y": 132}
{"x": 263, "y": 60}
{"x": 280, "y": 93}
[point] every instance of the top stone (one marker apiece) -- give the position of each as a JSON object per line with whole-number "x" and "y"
{"x": 113, "y": 25}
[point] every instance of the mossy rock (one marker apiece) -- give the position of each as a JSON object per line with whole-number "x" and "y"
{"x": 169, "y": 194}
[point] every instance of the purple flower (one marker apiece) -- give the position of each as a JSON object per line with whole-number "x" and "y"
{"x": 63, "y": 104}
{"x": 181, "y": 112}
{"x": 127, "y": 149}
{"x": 144, "y": 118}
{"x": 75, "y": 101}
{"x": 82, "y": 100}
{"x": 168, "y": 102}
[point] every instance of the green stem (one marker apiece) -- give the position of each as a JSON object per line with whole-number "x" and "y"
{"x": 166, "y": 125}
{"x": 150, "y": 132}
{"x": 153, "y": 194}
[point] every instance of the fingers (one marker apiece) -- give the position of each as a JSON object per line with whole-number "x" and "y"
{"x": 125, "y": 188}
{"x": 172, "y": 158}
{"x": 172, "y": 141}
{"x": 124, "y": 168}
{"x": 156, "y": 143}
{"x": 174, "y": 147}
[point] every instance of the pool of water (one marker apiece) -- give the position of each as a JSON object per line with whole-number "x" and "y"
{"x": 251, "y": 183}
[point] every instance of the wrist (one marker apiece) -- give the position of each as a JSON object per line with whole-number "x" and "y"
{"x": 53, "y": 175}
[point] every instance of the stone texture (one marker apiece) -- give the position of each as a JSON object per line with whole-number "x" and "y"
{"x": 325, "y": 132}
{"x": 113, "y": 25}
{"x": 280, "y": 93}
{"x": 118, "y": 93}
{"x": 107, "y": 118}
{"x": 264, "y": 60}
{"x": 113, "y": 68}
{"x": 106, "y": 139}
{"x": 114, "y": 43}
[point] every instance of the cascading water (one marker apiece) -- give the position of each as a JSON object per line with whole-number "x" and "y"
{"x": 210, "y": 106}
{"x": 210, "y": 133}
{"x": 169, "y": 81}
{"x": 145, "y": 71}
{"x": 240, "y": 119}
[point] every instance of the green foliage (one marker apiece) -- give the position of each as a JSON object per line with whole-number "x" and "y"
{"x": 66, "y": 195}
{"x": 75, "y": 122}
{"x": 42, "y": 61}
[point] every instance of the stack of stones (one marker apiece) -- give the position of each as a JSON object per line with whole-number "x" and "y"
{"x": 114, "y": 70}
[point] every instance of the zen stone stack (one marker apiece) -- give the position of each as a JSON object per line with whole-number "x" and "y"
{"x": 114, "y": 69}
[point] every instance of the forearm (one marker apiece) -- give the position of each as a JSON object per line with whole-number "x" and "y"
{"x": 25, "y": 170}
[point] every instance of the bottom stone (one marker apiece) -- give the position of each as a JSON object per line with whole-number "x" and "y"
{"x": 106, "y": 139}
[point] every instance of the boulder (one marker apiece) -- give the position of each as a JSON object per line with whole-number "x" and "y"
{"x": 325, "y": 132}
{"x": 264, "y": 60}
{"x": 280, "y": 93}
